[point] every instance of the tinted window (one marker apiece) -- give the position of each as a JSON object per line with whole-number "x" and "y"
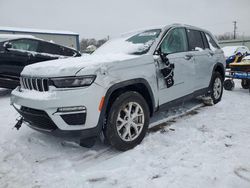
{"x": 25, "y": 44}
{"x": 175, "y": 41}
{"x": 49, "y": 48}
{"x": 212, "y": 44}
{"x": 195, "y": 40}
{"x": 68, "y": 52}
{"x": 205, "y": 42}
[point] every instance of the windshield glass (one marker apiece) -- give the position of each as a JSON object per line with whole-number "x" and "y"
{"x": 137, "y": 44}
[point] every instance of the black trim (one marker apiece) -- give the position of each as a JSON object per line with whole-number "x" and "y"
{"x": 183, "y": 99}
{"x": 9, "y": 83}
{"x": 74, "y": 118}
{"x": 75, "y": 135}
{"x": 119, "y": 85}
{"x": 222, "y": 67}
{"x": 37, "y": 118}
{"x": 50, "y": 128}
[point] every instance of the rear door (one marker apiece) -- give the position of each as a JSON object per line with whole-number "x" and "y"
{"x": 47, "y": 51}
{"x": 180, "y": 82}
{"x": 203, "y": 58}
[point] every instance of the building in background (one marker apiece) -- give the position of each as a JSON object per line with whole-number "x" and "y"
{"x": 66, "y": 38}
{"x": 236, "y": 42}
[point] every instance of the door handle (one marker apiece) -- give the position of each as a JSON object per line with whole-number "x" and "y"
{"x": 188, "y": 56}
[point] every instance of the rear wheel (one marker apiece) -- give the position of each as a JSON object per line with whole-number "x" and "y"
{"x": 216, "y": 87}
{"x": 127, "y": 121}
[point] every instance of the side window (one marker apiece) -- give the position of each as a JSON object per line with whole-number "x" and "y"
{"x": 195, "y": 40}
{"x": 46, "y": 47}
{"x": 175, "y": 41}
{"x": 205, "y": 40}
{"x": 212, "y": 44}
{"x": 68, "y": 52}
{"x": 25, "y": 44}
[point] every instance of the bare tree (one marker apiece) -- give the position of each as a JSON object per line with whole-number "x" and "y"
{"x": 87, "y": 42}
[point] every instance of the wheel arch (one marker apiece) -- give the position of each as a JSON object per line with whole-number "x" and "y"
{"x": 219, "y": 67}
{"x": 139, "y": 85}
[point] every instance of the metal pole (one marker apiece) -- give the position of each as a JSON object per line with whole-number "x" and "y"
{"x": 235, "y": 27}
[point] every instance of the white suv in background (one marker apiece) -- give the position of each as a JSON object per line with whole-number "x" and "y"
{"x": 118, "y": 88}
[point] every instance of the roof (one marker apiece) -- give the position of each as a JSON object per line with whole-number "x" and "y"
{"x": 14, "y": 36}
{"x": 164, "y": 27}
{"x": 39, "y": 31}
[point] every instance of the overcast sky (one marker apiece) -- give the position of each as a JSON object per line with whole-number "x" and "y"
{"x": 100, "y": 18}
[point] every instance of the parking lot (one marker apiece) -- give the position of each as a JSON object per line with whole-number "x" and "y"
{"x": 207, "y": 147}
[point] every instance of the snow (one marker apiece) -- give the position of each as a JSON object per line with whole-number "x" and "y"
{"x": 69, "y": 66}
{"x": 246, "y": 57}
{"x": 4, "y": 37}
{"x": 38, "y": 53}
{"x": 121, "y": 46}
{"x": 37, "y": 95}
{"x": 207, "y": 147}
{"x": 231, "y": 50}
{"x": 32, "y": 30}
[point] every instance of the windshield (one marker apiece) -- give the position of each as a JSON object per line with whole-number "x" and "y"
{"x": 137, "y": 44}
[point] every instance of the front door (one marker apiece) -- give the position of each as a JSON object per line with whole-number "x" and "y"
{"x": 175, "y": 72}
{"x": 13, "y": 60}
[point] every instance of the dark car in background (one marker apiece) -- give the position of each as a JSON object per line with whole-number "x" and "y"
{"x": 17, "y": 51}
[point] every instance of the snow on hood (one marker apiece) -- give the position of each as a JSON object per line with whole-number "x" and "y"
{"x": 70, "y": 66}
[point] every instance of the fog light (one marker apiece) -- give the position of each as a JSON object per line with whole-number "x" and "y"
{"x": 71, "y": 109}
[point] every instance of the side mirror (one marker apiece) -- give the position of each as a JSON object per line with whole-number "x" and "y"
{"x": 7, "y": 45}
{"x": 162, "y": 55}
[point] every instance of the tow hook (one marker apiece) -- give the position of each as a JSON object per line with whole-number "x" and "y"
{"x": 19, "y": 123}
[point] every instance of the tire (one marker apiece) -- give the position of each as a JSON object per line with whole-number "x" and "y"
{"x": 124, "y": 129}
{"x": 229, "y": 84}
{"x": 245, "y": 83}
{"x": 216, "y": 87}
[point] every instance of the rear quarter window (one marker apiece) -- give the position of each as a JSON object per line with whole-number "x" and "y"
{"x": 49, "y": 48}
{"x": 68, "y": 52}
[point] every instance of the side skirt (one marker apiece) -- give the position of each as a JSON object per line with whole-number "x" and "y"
{"x": 178, "y": 101}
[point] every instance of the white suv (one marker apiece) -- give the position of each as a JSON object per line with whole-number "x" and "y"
{"x": 118, "y": 88}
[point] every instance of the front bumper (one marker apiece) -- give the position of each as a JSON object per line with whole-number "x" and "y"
{"x": 40, "y": 110}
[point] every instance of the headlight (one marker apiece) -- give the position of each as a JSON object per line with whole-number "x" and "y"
{"x": 73, "y": 81}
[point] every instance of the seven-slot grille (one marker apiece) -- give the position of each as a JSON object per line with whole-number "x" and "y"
{"x": 39, "y": 84}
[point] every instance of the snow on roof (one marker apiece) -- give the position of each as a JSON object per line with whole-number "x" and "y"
{"x": 141, "y": 30}
{"x": 29, "y": 30}
{"x": 14, "y": 36}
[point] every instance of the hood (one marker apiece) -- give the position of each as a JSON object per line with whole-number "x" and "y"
{"x": 70, "y": 66}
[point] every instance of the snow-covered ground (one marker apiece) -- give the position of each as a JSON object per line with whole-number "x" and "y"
{"x": 208, "y": 147}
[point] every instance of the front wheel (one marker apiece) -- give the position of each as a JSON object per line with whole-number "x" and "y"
{"x": 216, "y": 87}
{"x": 128, "y": 121}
